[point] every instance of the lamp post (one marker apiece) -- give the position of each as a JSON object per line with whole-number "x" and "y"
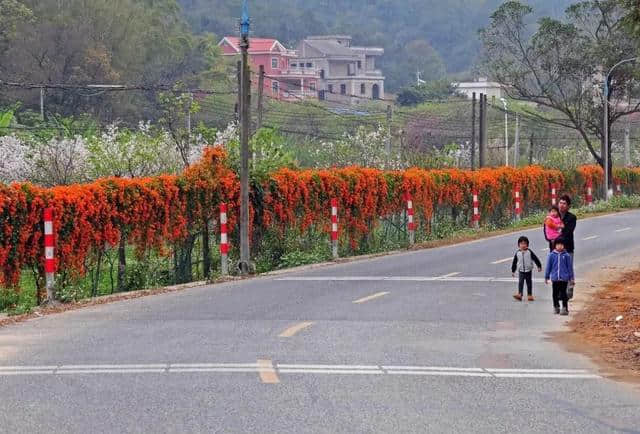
{"x": 506, "y": 132}
{"x": 605, "y": 148}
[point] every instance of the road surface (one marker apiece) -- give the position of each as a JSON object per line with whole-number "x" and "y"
{"x": 424, "y": 341}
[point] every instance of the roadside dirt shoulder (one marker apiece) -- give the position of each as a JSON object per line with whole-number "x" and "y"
{"x": 606, "y": 323}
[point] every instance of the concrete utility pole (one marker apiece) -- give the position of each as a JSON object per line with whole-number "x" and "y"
{"x": 188, "y": 123}
{"x": 627, "y": 145}
{"x": 506, "y": 132}
{"x": 516, "y": 146}
{"x": 42, "y": 103}
{"x": 260, "y": 96}
{"x": 483, "y": 130}
{"x": 245, "y": 123}
{"x": 389, "y": 120}
{"x": 608, "y": 192}
{"x": 473, "y": 132}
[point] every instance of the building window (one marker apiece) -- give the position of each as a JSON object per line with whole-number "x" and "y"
{"x": 351, "y": 69}
{"x": 294, "y": 65}
{"x": 359, "y": 64}
{"x": 363, "y": 89}
{"x": 275, "y": 87}
{"x": 343, "y": 89}
{"x": 274, "y": 63}
{"x": 309, "y": 65}
{"x": 321, "y": 95}
{"x": 322, "y": 73}
{"x": 330, "y": 88}
{"x": 312, "y": 86}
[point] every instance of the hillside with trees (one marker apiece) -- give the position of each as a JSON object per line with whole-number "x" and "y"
{"x": 71, "y": 42}
{"x": 432, "y": 36}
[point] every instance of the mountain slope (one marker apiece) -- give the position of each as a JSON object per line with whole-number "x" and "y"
{"x": 450, "y": 27}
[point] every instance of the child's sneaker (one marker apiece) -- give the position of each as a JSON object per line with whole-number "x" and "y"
{"x": 530, "y": 298}
{"x": 564, "y": 312}
{"x": 556, "y": 310}
{"x": 517, "y": 297}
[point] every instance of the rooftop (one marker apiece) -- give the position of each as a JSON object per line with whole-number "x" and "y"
{"x": 329, "y": 37}
{"x": 256, "y": 45}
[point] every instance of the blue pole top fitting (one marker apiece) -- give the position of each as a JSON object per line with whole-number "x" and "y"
{"x": 244, "y": 22}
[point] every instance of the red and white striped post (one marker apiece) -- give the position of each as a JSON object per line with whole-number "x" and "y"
{"x": 476, "y": 209}
{"x": 411, "y": 225}
{"x": 49, "y": 258}
{"x": 589, "y": 192}
{"x": 334, "y": 228}
{"x": 554, "y": 194}
{"x": 224, "y": 240}
{"x": 518, "y": 202}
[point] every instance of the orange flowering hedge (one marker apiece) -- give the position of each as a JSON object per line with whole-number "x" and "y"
{"x": 154, "y": 213}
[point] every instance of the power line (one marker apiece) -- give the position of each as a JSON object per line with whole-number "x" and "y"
{"x": 113, "y": 88}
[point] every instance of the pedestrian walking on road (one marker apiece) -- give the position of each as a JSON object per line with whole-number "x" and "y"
{"x": 559, "y": 270}
{"x": 523, "y": 262}
{"x": 569, "y": 221}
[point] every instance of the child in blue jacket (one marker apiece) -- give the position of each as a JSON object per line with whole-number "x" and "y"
{"x": 560, "y": 271}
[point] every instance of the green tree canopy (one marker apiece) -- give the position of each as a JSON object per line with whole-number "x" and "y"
{"x": 559, "y": 64}
{"x": 144, "y": 42}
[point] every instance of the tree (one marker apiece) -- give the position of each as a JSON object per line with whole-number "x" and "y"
{"x": 632, "y": 17}
{"x": 132, "y": 153}
{"x": 12, "y": 14}
{"x": 140, "y": 42}
{"x": 560, "y": 66}
{"x": 433, "y": 90}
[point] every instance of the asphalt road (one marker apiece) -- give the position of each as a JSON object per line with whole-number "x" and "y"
{"x": 425, "y": 341}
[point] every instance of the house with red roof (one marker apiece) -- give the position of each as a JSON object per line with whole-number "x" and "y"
{"x": 286, "y": 78}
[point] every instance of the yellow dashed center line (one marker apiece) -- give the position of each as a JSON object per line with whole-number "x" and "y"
{"x": 268, "y": 373}
{"x": 371, "y": 297}
{"x": 295, "y": 329}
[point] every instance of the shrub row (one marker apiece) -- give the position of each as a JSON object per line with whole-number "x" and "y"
{"x": 161, "y": 212}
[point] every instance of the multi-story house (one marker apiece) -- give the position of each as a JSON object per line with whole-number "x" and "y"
{"x": 346, "y": 73}
{"x": 286, "y": 77}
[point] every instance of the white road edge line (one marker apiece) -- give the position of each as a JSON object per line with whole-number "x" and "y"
{"x": 359, "y": 367}
{"x": 405, "y": 279}
{"x": 431, "y": 368}
{"x": 269, "y": 371}
{"x": 331, "y": 371}
{"x": 442, "y": 373}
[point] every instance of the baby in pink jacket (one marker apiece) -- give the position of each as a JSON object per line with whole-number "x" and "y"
{"x": 553, "y": 225}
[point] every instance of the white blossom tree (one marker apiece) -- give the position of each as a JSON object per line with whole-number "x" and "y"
{"x": 15, "y": 162}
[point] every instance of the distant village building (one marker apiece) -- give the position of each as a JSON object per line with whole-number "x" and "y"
{"x": 347, "y": 73}
{"x": 323, "y": 67}
{"x": 285, "y": 77}
{"x": 492, "y": 89}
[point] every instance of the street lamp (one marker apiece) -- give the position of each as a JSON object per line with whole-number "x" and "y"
{"x": 608, "y": 192}
{"x": 506, "y": 132}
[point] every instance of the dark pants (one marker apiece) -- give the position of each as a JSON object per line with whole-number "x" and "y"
{"x": 560, "y": 293}
{"x": 525, "y": 277}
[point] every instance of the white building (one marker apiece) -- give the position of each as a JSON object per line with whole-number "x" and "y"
{"x": 347, "y": 73}
{"x": 492, "y": 89}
